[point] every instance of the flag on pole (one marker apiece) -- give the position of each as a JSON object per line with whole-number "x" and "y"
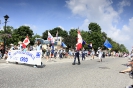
{"x": 107, "y": 44}
{"x": 83, "y": 43}
{"x": 63, "y": 45}
{"x": 79, "y": 41}
{"x": 25, "y": 42}
{"x": 57, "y": 35}
{"x": 50, "y": 37}
{"x": 90, "y": 45}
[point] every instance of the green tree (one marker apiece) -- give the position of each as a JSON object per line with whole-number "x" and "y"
{"x": 7, "y": 34}
{"x": 61, "y": 33}
{"x": 21, "y": 33}
{"x": 95, "y": 35}
{"x": 70, "y": 41}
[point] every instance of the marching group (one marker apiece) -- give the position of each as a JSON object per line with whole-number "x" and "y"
{"x": 61, "y": 53}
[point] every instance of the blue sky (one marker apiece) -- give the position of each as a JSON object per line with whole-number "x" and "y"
{"x": 114, "y": 16}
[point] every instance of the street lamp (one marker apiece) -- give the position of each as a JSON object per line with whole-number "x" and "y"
{"x": 6, "y": 18}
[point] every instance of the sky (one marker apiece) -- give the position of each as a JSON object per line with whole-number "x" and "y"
{"x": 115, "y": 17}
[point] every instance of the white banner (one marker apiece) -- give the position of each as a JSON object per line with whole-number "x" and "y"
{"x": 28, "y": 57}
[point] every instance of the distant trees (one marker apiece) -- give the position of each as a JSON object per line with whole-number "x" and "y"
{"x": 94, "y": 35}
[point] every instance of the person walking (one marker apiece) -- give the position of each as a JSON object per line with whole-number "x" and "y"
{"x": 92, "y": 53}
{"x": 76, "y": 56}
{"x": 47, "y": 53}
{"x": 39, "y": 48}
{"x": 83, "y": 55}
{"x": 55, "y": 53}
{"x": 100, "y": 54}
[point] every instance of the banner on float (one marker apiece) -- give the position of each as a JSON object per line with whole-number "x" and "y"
{"x": 28, "y": 57}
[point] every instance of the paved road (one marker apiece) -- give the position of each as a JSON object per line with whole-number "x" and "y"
{"x": 60, "y": 74}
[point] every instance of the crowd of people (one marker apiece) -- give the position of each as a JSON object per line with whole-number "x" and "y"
{"x": 49, "y": 52}
{"x": 61, "y": 53}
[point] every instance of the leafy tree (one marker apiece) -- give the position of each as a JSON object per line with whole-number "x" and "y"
{"x": 70, "y": 41}
{"x": 95, "y": 35}
{"x": 73, "y": 32}
{"x": 123, "y": 48}
{"x": 34, "y": 37}
{"x": 61, "y": 33}
{"x": 21, "y": 33}
{"x": 85, "y": 37}
{"x": 7, "y": 35}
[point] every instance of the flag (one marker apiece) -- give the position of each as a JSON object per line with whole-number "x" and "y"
{"x": 90, "y": 46}
{"x": 79, "y": 41}
{"x": 57, "y": 35}
{"x": 83, "y": 43}
{"x": 63, "y": 45}
{"x": 107, "y": 44}
{"x": 25, "y": 42}
{"x": 50, "y": 37}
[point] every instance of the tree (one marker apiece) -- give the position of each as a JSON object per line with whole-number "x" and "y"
{"x": 85, "y": 37}
{"x": 95, "y": 35}
{"x": 70, "y": 41}
{"x": 21, "y": 33}
{"x": 7, "y": 34}
{"x": 123, "y": 48}
{"x": 61, "y": 33}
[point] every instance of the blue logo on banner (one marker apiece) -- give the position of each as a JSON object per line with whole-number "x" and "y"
{"x": 24, "y": 59}
{"x": 38, "y": 54}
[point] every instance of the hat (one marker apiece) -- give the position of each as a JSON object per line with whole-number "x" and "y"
{"x": 11, "y": 44}
{"x": 19, "y": 42}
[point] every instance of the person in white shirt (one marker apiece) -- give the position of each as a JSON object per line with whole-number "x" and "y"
{"x": 39, "y": 48}
{"x": 12, "y": 47}
{"x": 100, "y": 54}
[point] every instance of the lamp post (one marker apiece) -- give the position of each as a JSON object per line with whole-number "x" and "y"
{"x": 6, "y": 18}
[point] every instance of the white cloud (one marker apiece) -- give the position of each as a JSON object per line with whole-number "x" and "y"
{"x": 103, "y": 13}
{"x": 122, "y": 4}
{"x": 85, "y": 24}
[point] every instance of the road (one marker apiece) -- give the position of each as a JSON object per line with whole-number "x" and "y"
{"x": 90, "y": 74}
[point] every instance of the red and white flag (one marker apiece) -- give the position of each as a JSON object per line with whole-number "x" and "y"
{"x": 25, "y": 42}
{"x": 50, "y": 38}
{"x": 79, "y": 41}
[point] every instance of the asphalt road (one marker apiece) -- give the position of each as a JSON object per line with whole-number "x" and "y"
{"x": 90, "y": 74}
